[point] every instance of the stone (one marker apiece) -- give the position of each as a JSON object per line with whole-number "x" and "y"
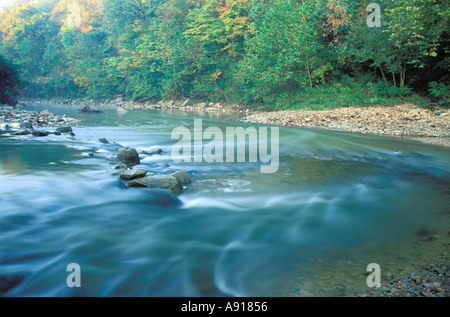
{"x": 120, "y": 166}
{"x": 103, "y": 140}
{"x": 158, "y": 151}
{"x": 184, "y": 104}
{"x": 46, "y": 112}
{"x": 133, "y": 174}
{"x": 88, "y": 109}
{"x": 39, "y": 133}
{"x": 183, "y": 177}
{"x": 120, "y": 109}
{"x": 64, "y": 129}
{"x": 167, "y": 182}
{"x": 24, "y": 132}
{"x": 128, "y": 155}
{"x": 26, "y": 125}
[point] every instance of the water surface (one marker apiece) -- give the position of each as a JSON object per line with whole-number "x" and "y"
{"x": 338, "y": 202}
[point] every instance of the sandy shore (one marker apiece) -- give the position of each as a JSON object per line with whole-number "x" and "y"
{"x": 429, "y": 126}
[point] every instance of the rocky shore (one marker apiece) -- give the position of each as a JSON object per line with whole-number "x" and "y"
{"x": 23, "y": 122}
{"x": 123, "y": 106}
{"x": 406, "y": 120}
{"x": 426, "y": 125}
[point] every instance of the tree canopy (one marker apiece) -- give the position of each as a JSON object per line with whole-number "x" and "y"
{"x": 257, "y": 52}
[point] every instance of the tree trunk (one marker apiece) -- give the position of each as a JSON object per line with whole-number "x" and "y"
{"x": 382, "y": 73}
{"x": 393, "y": 78}
{"x": 309, "y": 76}
{"x": 402, "y": 77}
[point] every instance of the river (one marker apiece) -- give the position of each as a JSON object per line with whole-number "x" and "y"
{"x": 337, "y": 202}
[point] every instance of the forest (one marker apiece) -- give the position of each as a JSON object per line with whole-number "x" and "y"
{"x": 266, "y": 54}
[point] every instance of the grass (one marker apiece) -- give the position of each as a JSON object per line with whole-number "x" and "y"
{"x": 346, "y": 93}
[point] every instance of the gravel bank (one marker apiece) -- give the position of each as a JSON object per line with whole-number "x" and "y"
{"x": 16, "y": 119}
{"x": 429, "y": 126}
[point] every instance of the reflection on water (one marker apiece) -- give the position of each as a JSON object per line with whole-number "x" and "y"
{"x": 338, "y": 202}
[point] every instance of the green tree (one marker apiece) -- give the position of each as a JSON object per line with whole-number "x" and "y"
{"x": 286, "y": 50}
{"x": 10, "y": 83}
{"x": 409, "y": 33}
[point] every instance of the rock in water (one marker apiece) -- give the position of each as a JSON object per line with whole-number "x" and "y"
{"x": 26, "y": 125}
{"x": 128, "y": 155}
{"x": 24, "y": 132}
{"x": 183, "y": 177}
{"x": 133, "y": 174}
{"x": 88, "y": 109}
{"x": 66, "y": 129}
{"x": 158, "y": 181}
{"x": 39, "y": 133}
{"x": 158, "y": 151}
{"x": 103, "y": 140}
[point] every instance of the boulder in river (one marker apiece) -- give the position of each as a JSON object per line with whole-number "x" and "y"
{"x": 128, "y": 155}
{"x": 88, "y": 109}
{"x": 133, "y": 174}
{"x": 103, "y": 140}
{"x": 39, "y": 133}
{"x": 183, "y": 177}
{"x": 65, "y": 129}
{"x": 167, "y": 182}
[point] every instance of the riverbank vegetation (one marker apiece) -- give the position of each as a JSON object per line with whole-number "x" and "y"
{"x": 265, "y": 54}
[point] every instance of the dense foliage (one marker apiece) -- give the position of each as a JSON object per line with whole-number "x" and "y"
{"x": 273, "y": 54}
{"x": 10, "y": 83}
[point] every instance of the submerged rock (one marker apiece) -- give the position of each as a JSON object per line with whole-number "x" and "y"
{"x": 103, "y": 140}
{"x": 158, "y": 151}
{"x": 128, "y": 155}
{"x": 167, "y": 182}
{"x": 133, "y": 174}
{"x": 183, "y": 177}
{"x": 24, "y": 132}
{"x": 120, "y": 166}
{"x": 8, "y": 282}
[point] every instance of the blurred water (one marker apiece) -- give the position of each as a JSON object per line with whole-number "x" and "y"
{"x": 233, "y": 232}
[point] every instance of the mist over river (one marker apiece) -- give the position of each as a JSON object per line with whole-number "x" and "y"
{"x": 338, "y": 202}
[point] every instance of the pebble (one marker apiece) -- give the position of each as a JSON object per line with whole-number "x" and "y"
{"x": 429, "y": 126}
{"x": 34, "y": 122}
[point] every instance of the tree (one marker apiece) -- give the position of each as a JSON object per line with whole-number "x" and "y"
{"x": 10, "y": 83}
{"x": 410, "y": 33}
{"x": 286, "y": 50}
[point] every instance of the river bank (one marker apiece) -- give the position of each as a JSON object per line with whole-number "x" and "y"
{"x": 405, "y": 120}
{"x": 410, "y": 121}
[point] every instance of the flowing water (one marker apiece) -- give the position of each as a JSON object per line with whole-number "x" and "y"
{"x": 338, "y": 202}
